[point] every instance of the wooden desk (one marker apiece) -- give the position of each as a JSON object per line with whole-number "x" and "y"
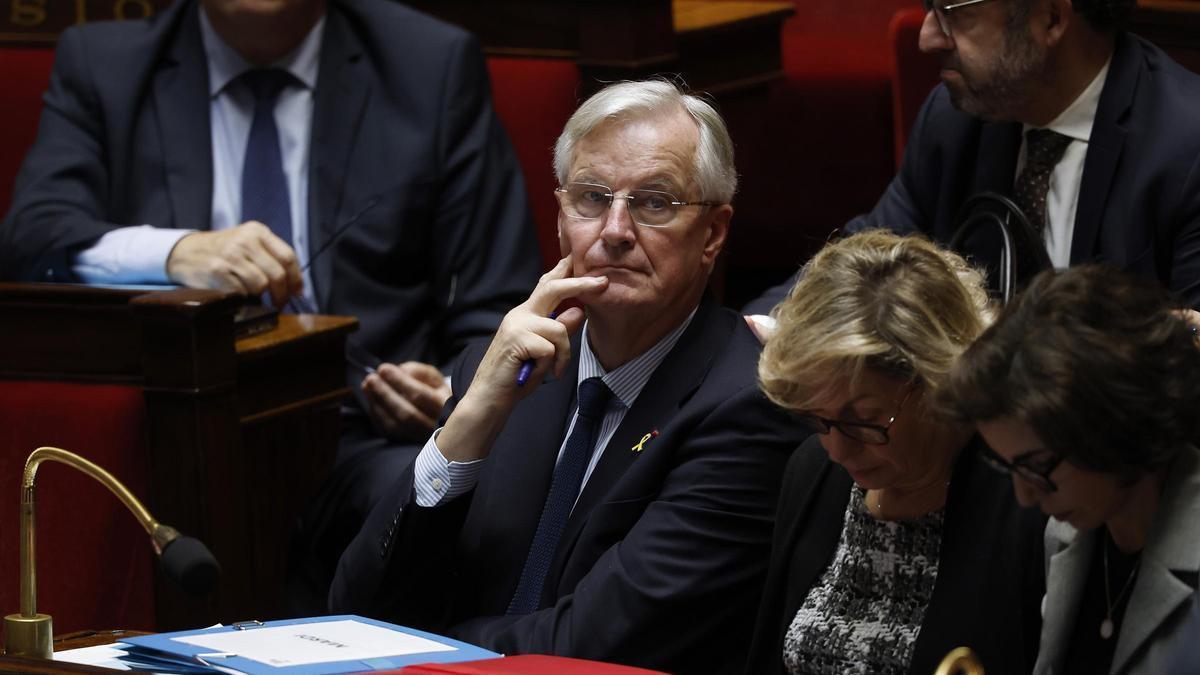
{"x": 716, "y": 45}
{"x": 240, "y": 431}
{"x": 79, "y": 640}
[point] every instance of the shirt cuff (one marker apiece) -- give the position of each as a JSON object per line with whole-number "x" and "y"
{"x": 437, "y": 480}
{"x": 128, "y": 255}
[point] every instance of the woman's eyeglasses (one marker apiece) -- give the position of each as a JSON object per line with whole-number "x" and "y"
{"x": 1034, "y": 466}
{"x": 873, "y": 434}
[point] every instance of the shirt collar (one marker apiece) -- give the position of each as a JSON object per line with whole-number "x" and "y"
{"x": 1076, "y": 121}
{"x": 627, "y": 380}
{"x": 225, "y": 64}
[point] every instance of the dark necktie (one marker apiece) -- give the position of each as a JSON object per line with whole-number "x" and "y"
{"x": 1043, "y": 149}
{"x": 264, "y": 185}
{"x": 564, "y": 489}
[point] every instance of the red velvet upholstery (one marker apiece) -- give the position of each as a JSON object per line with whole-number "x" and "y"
{"x": 95, "y": 564}
{"x": 534, "y": 98}
{"x": 914, "y": 74}
{"x": 25, "y": 73}
{"x": 819, "y": 151}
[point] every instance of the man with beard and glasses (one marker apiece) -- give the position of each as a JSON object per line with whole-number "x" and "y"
{"x": 1092, "y": 131}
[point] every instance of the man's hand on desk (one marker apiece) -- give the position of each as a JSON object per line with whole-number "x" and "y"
{"x": 406, "y": 400}
{"x": 248, "y": 259}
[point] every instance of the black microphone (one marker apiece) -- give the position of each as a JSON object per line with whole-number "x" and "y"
{"x": 339, "y": 231}
{"x": 184, "y": 559}
{"x": 188, "y": 562}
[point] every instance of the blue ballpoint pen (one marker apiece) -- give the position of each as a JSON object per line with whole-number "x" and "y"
{"x": 527, "y": 365}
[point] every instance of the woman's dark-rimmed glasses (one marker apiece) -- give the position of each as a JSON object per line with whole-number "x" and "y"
{"x": 1034, "y": 466}
{"x": 873, "y": 434}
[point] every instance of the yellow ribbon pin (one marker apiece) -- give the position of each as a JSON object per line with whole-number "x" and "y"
{"x": 642, "y": 443}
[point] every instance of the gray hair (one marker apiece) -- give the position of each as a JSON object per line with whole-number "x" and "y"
{"x": 714, "y": 169}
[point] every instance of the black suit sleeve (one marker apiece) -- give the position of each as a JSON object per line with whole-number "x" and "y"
{"x": 806, "y": 468}
{"x": 695, "y": 556}
{"x": 1185, "y": 263}
{"x": 484, "y": 245}
{"x": 401, "y": 561}
{"x": 60, "y": 197}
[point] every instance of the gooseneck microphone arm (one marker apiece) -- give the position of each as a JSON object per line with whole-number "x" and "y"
{"x": 188, "y": 562}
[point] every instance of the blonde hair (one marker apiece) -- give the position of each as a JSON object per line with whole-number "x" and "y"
{"x": 901, "y": 306}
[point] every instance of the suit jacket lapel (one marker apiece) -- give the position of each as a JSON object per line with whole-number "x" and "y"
{"x": 520, "y": 479}
{"x": 1065, "y": 579}
{"x": 1171, "y": 556}
{"x": 812, "y": 541}
{"x": 996, "y": 165}
{"x": 1104, "y": 150}
{"x": 343, "y": 87}
{"x": 675, "y": 379}
{"x": 181, "y": 104}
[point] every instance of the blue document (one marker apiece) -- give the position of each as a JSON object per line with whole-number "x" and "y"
{"x": 315, "y": 646}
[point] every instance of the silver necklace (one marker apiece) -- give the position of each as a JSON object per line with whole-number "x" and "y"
{"x": 1106, "y": 626}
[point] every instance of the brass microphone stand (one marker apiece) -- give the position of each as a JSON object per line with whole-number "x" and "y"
{"x": 29, "y": 633}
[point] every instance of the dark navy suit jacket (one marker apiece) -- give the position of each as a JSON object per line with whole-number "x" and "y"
{"x": 662, "y": 561}
{"x": 402, "y": 120}
{"x": 1139, "y": 201}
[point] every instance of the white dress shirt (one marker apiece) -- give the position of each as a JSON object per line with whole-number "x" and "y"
{"x": 1063, "y": 196}
{"x": 138, "y": 254}
{"x": 437, "y": 480}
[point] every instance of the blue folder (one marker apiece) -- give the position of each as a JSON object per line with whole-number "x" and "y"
{"x": 163, "y": 651}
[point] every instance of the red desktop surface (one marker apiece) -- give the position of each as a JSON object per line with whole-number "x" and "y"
{"x": 525, "y": 665}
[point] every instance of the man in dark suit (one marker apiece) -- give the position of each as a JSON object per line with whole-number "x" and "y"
{"x": 341, "y": 157}
{"x": 621, "y": 509}
{"x": 1091, "y": 130}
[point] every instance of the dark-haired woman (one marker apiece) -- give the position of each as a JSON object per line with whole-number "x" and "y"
{"x": 1087, "y": 389}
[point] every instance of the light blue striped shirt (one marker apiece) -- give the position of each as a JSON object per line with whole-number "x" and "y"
{"x": 437, "y": 480}
{"x": 138, "y": 254}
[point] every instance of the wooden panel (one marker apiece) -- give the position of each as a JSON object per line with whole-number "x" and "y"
{"x": 714, "y": 45}
{"x": 241, "y": 433}
{"x": 38, "y": 22}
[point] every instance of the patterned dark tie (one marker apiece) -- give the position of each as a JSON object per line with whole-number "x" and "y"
{"x": 564, "y": 489}
{"x": 1043, "y": 149}
{"x": 264, "y": 185}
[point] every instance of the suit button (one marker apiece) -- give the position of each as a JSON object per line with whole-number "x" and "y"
{"x": 49, "y": 274}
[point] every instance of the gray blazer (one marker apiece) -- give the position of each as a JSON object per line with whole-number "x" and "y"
{"x": 1163, "y": 595}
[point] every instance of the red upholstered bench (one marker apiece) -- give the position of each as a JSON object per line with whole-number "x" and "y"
{"x": 533, "y": 99}
{"x": 821, "y": 149}
{"x": 25, "y": 73}
{"x": 914, "y": 74}
{"x": 95, "y": 564}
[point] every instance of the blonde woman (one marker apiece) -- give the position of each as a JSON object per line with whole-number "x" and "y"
{"x": 894, "y": 542}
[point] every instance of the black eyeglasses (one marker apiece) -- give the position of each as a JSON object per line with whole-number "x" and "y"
{"x": 873, "y": 434}
{"x": 1034, "y": 466}
{"x": 650, "y": 208}
{"x": 942, "y": 12}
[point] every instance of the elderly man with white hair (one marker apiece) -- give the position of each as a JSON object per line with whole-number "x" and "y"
{"x": 604, "y": 483}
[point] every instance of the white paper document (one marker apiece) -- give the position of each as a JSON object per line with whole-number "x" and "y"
{"x": 304, "y": 644}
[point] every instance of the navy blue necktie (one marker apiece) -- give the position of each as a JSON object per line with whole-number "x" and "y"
{"x": 264, "y": 184}
{"x": 564, "y": 489}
